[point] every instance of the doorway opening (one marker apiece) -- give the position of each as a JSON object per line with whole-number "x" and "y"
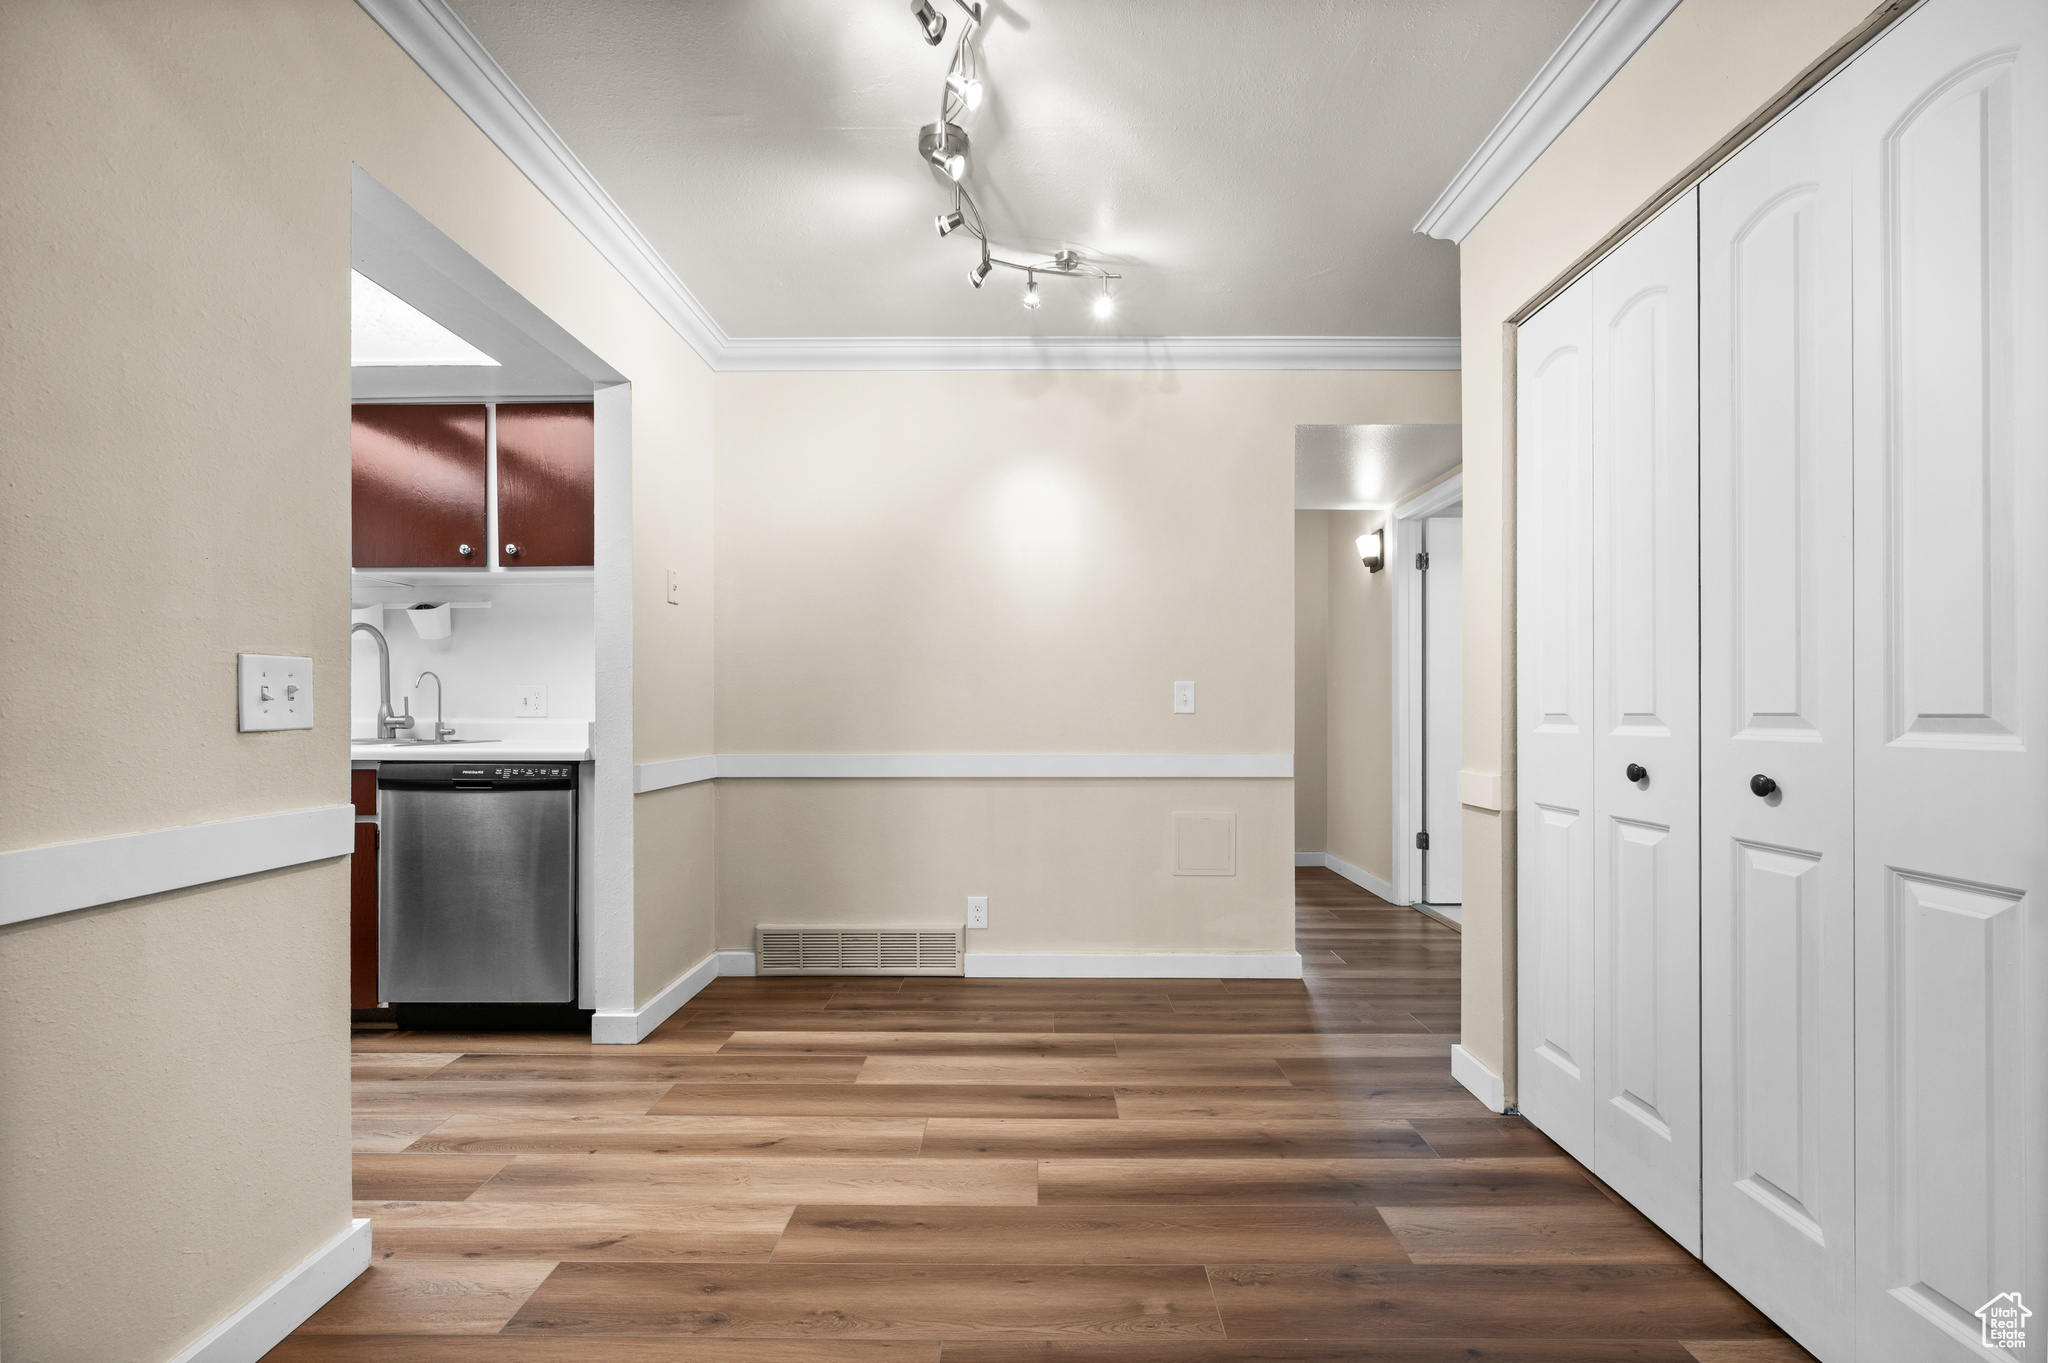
{"x": 1426, "y": 559}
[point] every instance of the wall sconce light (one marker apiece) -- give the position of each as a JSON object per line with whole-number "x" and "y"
{"x": 1369, "y": 551}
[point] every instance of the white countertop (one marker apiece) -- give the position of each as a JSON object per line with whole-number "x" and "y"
{"x": 511, "y": 740}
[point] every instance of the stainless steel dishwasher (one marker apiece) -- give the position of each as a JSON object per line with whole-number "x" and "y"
{"x": 476, "y": 882}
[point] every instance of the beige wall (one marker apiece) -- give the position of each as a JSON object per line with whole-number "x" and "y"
{"x": 1311, "y": 677}
{"x": 1361, "y": 732}
{"x": 1014, "y": 562}
{"x": 175, "y": 453}
{"x": 1706, "y": 70}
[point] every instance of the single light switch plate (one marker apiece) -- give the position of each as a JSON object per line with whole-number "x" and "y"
{"x": 675, "y": 588}
{"x": 533, "y": 702}
{"x": 977, "y": 911}
{"x": 276, "y": 692}
{"x": 1183, "y": 698}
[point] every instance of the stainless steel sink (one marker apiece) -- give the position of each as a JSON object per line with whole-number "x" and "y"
{"x": 418, "y": 742}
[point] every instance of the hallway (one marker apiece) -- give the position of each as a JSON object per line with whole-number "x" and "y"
{"x": 889, "y": 1170}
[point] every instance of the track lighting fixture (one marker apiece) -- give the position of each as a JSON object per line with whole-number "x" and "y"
{"x": 944, "y": 146}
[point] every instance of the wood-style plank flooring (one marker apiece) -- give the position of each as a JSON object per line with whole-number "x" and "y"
{"x": 1004, "y": 1171}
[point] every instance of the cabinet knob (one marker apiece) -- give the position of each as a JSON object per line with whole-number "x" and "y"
{"x": 464, "y": 550}
{"x": 512, "y": 551}
{"x": 1637, "y": 772}
{"x": 1762, "y": 786}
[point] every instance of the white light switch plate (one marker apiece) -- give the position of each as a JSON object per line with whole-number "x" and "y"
{"x": 275, "y": 692}
{"x": 977, "y": 911}
{"x": 533, "y": 702}
{"x": 675, "y": 588}
{"x": 1183, "y": 698}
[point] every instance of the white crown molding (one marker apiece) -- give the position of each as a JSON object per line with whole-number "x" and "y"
{"x": 1597, "y": 47}
{"x": 924, "y": 353}
{"x": 434, "y": 37}
{"x": 768, "y": 766}
{"x": 36, "y": 882}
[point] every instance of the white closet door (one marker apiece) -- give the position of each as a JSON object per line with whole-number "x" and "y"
{"x": 1554, "y": 681}
{"x": 1443, "y": 720}
{"x": 1646, "y": 1039}
{"x": 1951, "y": 223}
{"x": 1777, "y": 696}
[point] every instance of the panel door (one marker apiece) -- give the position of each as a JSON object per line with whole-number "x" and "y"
{"x": 1554, "y": 722}
{"x": 1645, "y": 542}
{"x": 1777, "y": 696}
{"x": 547, "y": 462}
{"x": 1443, "y": 719}
{"x": 1951, "y": 303}
{"x": 418, "y": 485}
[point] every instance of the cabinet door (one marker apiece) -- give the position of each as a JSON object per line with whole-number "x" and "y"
{"x": 1777, "y": 949}
{"x": 1951, "y": 308}
{"x": 547, "y": 465}
{"x": 1554, "y": 721}
{"x": 1645, "y": 540}
{"x": 362, "y": 919}
{"x": 418, "y": 485}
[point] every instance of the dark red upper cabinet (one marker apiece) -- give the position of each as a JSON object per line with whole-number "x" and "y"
{"x": 547, "y": 463}
{"x": 419, "y": 489}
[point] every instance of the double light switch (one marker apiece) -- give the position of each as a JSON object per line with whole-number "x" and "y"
{"x": 275, "y": 691}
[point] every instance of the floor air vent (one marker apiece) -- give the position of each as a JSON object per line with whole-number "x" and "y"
{"x": 858, "y": 951}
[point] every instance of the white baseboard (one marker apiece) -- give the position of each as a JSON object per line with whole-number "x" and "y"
{"x": 1364, "y": 880}
{"x": 1486, "y": 1086}
{"x": 623, "y": 1028}
{"x": 283, "y": 1306}
{"x": 1309, "y": 858}
{"x": 1145, "y": 965}
{"x": 736, "y": 962}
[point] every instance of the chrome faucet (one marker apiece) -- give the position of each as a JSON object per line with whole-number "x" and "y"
{"x": 388, "y": 724}
{"x": 442, "y": 731}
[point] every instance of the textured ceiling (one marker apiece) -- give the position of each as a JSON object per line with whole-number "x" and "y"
{"x": 1252, "y": 167}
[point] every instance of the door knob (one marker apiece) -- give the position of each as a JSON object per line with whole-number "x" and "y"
{"x": 1762, "y": 785}
{"x": 464, "y": 550}
{"x": 512, "y": 551}
{"x": 1637, "y": 772}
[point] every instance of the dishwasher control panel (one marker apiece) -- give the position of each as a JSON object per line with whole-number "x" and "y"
{"x": 515, "y": 773}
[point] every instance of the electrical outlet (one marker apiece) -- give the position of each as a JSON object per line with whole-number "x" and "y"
{"x": 675, "y": 588}
{"x": 1183, "y": 698}
{"x": 274, "y": 692}
{"x": 533, "y": 702}
{"x": 977, "y": 911}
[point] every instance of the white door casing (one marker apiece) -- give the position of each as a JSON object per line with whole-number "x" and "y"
{"x": 1443, "y": 585}
{"x": 1554, "y": 720}
{"x": 1951, "y": 356}
{"x": 1777, "y": 696}
{"x": 1645, "y": 551}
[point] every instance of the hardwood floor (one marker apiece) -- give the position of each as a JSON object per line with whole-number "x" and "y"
{"x": 1005, "y": 1171}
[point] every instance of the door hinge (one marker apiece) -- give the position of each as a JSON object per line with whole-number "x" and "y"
{"x": 1422, "y": 842}
{"x": 1422, "y": 562}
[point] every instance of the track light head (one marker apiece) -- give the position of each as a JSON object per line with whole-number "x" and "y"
{"x": 981, "y": 271}
{"x": 1031, "y": 298}
{"x": 945, "y": 146}
{"x": 966, "y": 89}
{"x": 930, "y": 20}
{"x": 949, "y": 223}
